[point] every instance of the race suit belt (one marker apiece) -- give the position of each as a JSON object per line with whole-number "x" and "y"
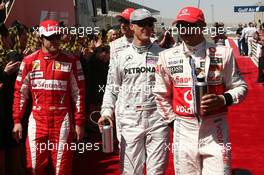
{"x": 51, "y": 108}
{"x": 145, "y": 107}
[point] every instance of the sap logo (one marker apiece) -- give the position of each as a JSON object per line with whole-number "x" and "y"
{"x": 182, "y": 80}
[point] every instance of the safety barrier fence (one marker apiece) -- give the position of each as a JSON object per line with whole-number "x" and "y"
{"x": 256, "y": 52}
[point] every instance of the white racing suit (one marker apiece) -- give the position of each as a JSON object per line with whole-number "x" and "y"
{"x": 199, "y": 147}
{"x": 144, "y": 134}
{"x": 116, "y": 46}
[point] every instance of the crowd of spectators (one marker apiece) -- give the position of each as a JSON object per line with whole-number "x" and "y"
{"x": 249, "y": 35}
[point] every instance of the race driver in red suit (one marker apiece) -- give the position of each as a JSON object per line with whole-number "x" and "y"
{"x": 55, "y": 82}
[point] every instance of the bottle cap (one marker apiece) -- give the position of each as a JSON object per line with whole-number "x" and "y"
{"x": 201, "y": 77}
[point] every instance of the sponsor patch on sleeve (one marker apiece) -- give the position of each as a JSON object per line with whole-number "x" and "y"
{"x": 80, "y": 75}
{"x": 79, "y": 66}
{"x": 19, "y": 75}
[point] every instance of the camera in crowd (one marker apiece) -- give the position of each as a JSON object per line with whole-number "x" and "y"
{"x": 14, "y": 56}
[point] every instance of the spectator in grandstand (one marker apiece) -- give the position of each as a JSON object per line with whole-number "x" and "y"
{"x": 95, "y": 68}
{"x": 2, "y": 144}
{"x": 220, "y": 35}
{"x": 19, "y": 34}
{"x": 33, "y": 42}
{"x": 11, "y": 153}
{"x": 238, "y": 34}
{"x": 260, "y": 41}
{"x": 102, "y": 38}
{"x": 249, "y": 36}
{"x": 2, "y": 11}
{"x": 243, "y": 40}
{"x": 112, "y": 35}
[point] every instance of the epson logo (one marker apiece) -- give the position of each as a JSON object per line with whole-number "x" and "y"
{"x": 176, "y": 69}
{"x": 138, "y": 70}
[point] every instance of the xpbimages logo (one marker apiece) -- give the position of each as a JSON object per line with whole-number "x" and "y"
{"x": 79, "y": 147}
{"x": 223, "y": 147}
{"x": 79, "y": 31}
{"x": 189, "y": 29}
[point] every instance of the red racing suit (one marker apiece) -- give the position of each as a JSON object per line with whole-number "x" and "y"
{"x": 56, "y": 84}
{"x": 197, "y": 143}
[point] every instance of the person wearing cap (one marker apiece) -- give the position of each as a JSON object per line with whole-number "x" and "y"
{"x": 127, "y": 38}
{"x": 55, "y": 83}
{"x": 201, "y": 143}
{"x": 143, "y": 133}
{"x": 115, "y": 47}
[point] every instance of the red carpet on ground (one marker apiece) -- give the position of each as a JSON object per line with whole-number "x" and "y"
{"x": 246, "y": 121}
{"x": 246, "y": 124}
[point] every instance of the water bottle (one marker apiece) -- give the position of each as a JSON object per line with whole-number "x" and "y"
{"x": 201, "y": 88}
{"x": 107, "y": 138}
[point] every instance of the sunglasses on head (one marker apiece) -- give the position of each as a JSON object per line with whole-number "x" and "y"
{"x": 123, "y": 21}
{"x": 52, "y": 37}
{"x": 144, "y": 23}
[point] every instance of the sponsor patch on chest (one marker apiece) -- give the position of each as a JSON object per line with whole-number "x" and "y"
{"x": 152, "y": 59}
{"x": 138, "y": 70}
{"x": 42, "y": 84}
{"x": 176, "y": 69}
{"x": 36, "y": 65}
{"x": 36, "y": 74}
{"x": 62, "y": 66}
{"x": 175, "y": 61}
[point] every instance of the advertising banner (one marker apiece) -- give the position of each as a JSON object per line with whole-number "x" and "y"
{"x": 246, "y": 9}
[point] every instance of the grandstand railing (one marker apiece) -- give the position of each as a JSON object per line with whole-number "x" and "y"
{"x": 256, "y": 51}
